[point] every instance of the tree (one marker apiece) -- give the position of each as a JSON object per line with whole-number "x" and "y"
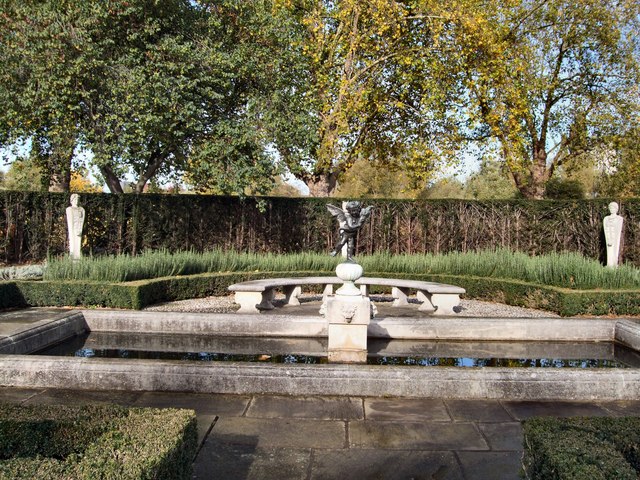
{"x": 177, "y": 99}
{"x": 149, "y": 87}
{"x": 491, "y": 181}
{"x": 80, "y": 183}
{"x": 372, "y": 88}
{"x": 284, "y": 189}
{"x": 443, "y": 188}
{"x": 24, "y": 175}
{"x": 559, "y": 188}
{"x": 546, "y": 77}
{"x": 370, "y": 180}
{"x": 621, "y": 170}
{"x": 42, "y": 81}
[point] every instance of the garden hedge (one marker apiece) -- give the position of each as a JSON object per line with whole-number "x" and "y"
{"x": 142, "y": 293}
{"x": 92, "y": 442}
{"x": 33, "y": 226}
{"x": 596, "y": 448}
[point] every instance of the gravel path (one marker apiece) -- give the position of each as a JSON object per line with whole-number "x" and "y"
{"x": 470, "y": 308}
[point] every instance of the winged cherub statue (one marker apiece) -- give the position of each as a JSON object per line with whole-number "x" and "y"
{"x": 350, "y": 220}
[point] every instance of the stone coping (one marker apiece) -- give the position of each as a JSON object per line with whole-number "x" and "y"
{"x": 330, "y": 379}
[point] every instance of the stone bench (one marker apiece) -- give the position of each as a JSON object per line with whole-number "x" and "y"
{"x": 256, "y": 295}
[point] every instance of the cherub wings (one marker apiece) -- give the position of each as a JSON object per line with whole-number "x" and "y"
{"x": 337, "y": 212}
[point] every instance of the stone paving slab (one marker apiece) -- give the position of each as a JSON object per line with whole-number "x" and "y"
{"x": 249, "y": 462}
{"x": 298, "y": 437}
{"x": 384, "y": 464}
{"x": 406, "y": 410}
{"x": 491, "y": 465}
{"x": 503, "y": 436}
{"x": 18, "y": 395}
{"x": 268, "y": 433}
{"x": 83, "y": 397}
{"x": 478, "y": 410}
{"x": 416, "y": 436}
{"x": 320, "y": 408}
{"x": 524, "y": 410}
{"x": 623, "y": 408}
{"x": 32, "y": 315}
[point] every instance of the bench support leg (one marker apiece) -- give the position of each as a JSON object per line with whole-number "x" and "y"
{"x": 400, "y": 296}
{"x": 328, "y": 291}
{"x": 425, "y": 299}
{"x": 254, "y": 302}
{"x": 292, "y": 292}
{"x": 445, "y": 303}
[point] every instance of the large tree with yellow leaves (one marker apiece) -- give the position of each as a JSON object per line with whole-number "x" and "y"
{"x": 548, "y": 80}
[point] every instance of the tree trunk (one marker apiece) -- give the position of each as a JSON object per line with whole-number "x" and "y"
{"x": 111, "y": 179}
{"x": 155, "y": 162}
{"x": 60, "y": 181}
{"x": 322, "y": 185}
{"x": 59, "y": 163}
{"x": 532, "y": 183}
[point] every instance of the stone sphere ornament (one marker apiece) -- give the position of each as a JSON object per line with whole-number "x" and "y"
{"x": 349, "y": 272}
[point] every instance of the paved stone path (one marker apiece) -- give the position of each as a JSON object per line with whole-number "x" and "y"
{"x": 282, "y": 437}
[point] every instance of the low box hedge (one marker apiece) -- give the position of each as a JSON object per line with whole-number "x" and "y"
{"x": 11, "y": 296}
{"x": 597, "y": 448}
{"x": 141, "y": 293}
{"x": 93, "y": 442}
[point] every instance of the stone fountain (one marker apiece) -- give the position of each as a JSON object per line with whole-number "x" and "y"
{"x": 348, "y": 312}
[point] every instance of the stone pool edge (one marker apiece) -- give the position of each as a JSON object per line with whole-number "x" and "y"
{"x": 364, "y": 380}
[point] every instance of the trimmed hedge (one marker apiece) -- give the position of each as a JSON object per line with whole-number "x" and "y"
{"x": 33, "y": 225}
{"x": 11, "y": 296}
{"x": 139, "y": 294}
{"x": 596, "y": 448}
{"x": 56, "y": 442}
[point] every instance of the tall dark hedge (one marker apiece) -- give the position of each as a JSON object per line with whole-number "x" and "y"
{"x": 33, "y": 226}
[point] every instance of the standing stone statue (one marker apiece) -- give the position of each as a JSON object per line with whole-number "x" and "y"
{"x": 75, "y": 221}
{"x": 350, "y": 220}
{"x": 612, "y": 225}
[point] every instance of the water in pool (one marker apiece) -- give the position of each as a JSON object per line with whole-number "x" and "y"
{"x": 314, "y": 350}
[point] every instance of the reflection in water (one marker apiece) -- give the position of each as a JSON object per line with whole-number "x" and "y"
{"x": 497, "y": 362}
{"x": 381, "y": 352}
{"x": 190, "y": 356}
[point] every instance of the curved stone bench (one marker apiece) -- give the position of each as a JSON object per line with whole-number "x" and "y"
{"x": 256, "y": 295}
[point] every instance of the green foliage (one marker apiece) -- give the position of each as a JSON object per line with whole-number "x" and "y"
{"x": 561, "y": 189}
{"x": 546, "y": 82}
{"x": 579, "y": 448}
{"x": 23, "y": 174}
{"x": 126, "y": 268}
{"x": 11, "y": 296}
{"x": 568, "y": 270}
{"x": 27, "y": 272}
{"x": 490, "y": 182}
{"x": 141, "y": 293}
{"x": 150, "y": 88}
{"x": 71, "y": 293}
{"x": 443, "y": 188}
{"x": 34, "y": 226}
{"x": 375, "y": 180}
{"x": 622, "y": 165}
{"x": 54, "y": 442}
{"x": 53, "y": 432}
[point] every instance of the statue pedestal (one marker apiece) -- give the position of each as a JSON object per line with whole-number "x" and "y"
{"x": 348, "y": 314}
